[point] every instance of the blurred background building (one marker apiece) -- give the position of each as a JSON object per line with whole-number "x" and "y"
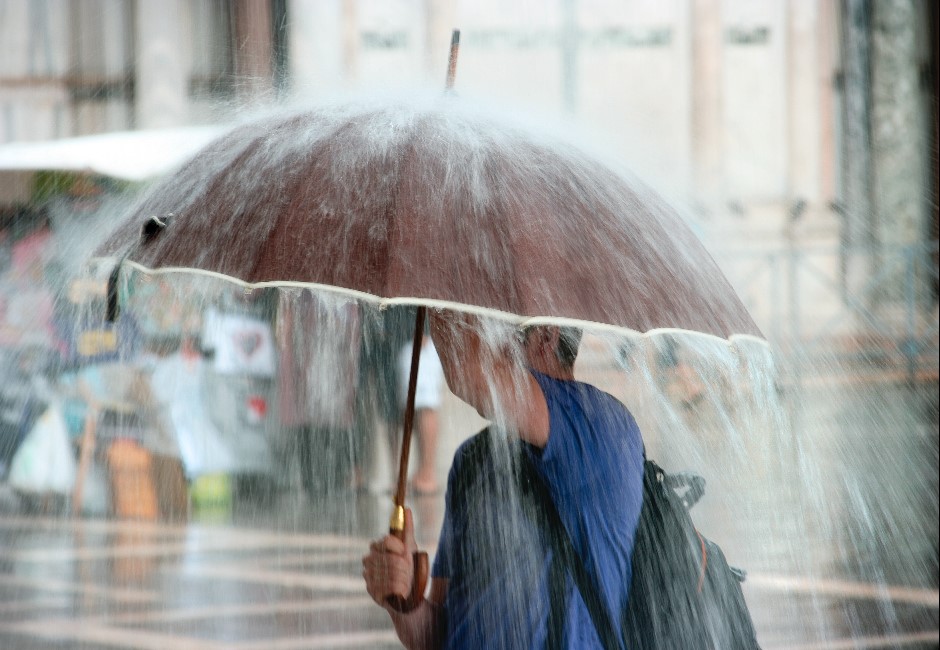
{"x": 798, "y": 137}
{"x": 802, "y": 134}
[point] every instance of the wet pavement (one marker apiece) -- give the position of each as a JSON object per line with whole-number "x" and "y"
{"x": 838, "y": 535}
{"x": 850, "y": 558}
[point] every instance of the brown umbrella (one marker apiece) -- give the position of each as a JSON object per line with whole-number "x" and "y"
{"x": 432, "y": 204}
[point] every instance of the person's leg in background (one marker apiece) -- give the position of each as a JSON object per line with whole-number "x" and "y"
{"x": 425, "y": 478}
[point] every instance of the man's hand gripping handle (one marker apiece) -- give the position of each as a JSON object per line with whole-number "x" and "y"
{"x": 401, "y": 603}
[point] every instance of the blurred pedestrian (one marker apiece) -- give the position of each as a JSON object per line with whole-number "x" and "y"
{"x": 318, "y": 344}
{"x": 428, "y": 392}
{"x": 238, "y": 383}
{"x": 384, "y": 333}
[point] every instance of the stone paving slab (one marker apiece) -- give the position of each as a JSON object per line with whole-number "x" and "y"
{"x": 822, "y": 571}
{"x": 302, "y": 590}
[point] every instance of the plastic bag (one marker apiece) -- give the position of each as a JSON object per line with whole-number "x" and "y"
{"x": 203, "y": 449}
{"x": 45, "y": 462}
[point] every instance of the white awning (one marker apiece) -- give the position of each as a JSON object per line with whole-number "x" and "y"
{"x": 125, "y": 155}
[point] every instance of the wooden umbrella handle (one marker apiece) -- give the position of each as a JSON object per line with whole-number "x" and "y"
{"x": 396, "y": 525}
{"x": 404, "y": 604}
{"x": 397, "y": 522}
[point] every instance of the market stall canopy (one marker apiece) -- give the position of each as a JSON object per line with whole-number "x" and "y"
{"x": 125, "y": 155}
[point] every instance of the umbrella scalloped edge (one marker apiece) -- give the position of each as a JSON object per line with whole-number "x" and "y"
{"x": 515, "y": 319}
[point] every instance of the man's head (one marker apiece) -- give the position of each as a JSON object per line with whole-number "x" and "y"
{"x": 551, "y": 349}
{"x": 569, "y": 340}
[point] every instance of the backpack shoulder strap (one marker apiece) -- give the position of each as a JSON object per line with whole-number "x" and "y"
{"x": 553, "y": 528}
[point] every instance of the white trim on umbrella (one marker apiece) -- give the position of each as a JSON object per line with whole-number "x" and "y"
{"x": 488, "y": 312}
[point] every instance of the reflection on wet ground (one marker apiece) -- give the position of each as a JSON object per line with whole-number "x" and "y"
{"x": 841, "y": 552}
{"x": 848, "y": 551}
{"x": 109, "y": 584}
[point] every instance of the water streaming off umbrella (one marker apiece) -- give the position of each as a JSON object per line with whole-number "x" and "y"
{"x": 277, "y": 400}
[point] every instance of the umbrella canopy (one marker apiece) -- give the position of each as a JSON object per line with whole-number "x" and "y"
{"x": 435, "y": 204}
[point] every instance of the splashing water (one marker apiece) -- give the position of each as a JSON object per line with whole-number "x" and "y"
{"x": 262, "y": 407}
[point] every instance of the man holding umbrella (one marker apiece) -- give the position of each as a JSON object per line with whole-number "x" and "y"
{"x": 439, "y": 205}
{"x": 494, "y": 583}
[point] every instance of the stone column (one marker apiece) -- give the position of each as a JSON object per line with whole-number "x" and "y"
{"x": 858, "y": 231}
{"x": 932, "y": 230}
{"x": 350, "y": 41}
{"x": 803, "y": 116}
{"x": 322, "y": 58}
{"x": 34, "y": 68}
{"x": 885, "y": 158}
{"x": 898, "y": 131}
{"x": 827, "y": 44}
{"x": 161, "y": 84}
{"x": 706, "y": 100}
{"x": 570, "y": 35}
{"x": 440, "y": 21}
{"x": 254, "y": 49}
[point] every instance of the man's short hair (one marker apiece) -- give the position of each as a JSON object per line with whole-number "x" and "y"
{"x": 568, "y": 343}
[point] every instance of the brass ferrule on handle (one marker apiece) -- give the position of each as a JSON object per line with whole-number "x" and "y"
{"x": 396, "y": 525}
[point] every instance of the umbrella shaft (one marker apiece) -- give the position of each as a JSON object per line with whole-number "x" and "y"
{"x": 452, "y": 61}
{"x": 410, "y": 407}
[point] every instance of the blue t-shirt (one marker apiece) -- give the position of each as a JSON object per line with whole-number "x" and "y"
{"x": 490, "y": 550}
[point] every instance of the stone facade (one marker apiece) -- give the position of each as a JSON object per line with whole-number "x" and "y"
{"x": 776, "y": 124}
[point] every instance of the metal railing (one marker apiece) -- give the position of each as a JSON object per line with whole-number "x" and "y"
{"x": 854, "y": 308}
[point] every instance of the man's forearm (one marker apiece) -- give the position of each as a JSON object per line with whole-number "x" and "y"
{"x": 422, "y": 628}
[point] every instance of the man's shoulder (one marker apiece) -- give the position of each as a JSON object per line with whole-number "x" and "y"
{"x": 470, "y": 464}
{"x": 473, "y": 449}
{"x": 585, "y": 394}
